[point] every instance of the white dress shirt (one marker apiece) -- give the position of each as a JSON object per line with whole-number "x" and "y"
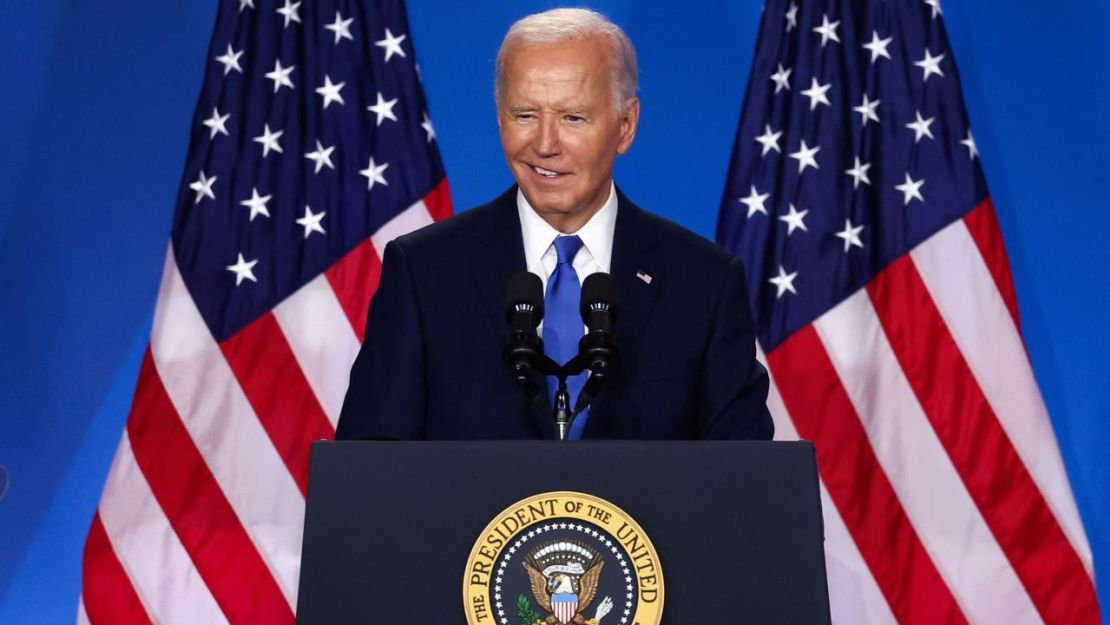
{"x": 595, "y": 254}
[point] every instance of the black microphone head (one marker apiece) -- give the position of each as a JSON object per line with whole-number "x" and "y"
{"x": 599, "y": 290}
{"x": 525, "y": 294}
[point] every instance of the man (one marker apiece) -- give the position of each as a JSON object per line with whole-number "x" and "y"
{"x": 431, "y": 365}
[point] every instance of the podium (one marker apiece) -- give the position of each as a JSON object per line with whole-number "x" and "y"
{"x": 397, "y": 532}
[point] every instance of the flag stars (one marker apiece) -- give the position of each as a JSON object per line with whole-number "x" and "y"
{"x": 850, "y": 235}
{"x": 341, "y": 27}
{"x": 920, "y": 127}
{"x": 245, "y": 4}
{"x": 383, "y": 109}
{"x": 827, "y": 30}
{"x": 911, "y": 189}
{"x": 427, "y": 126}
{"x": 321, "y": 156}
{"x": 791, "y": 17}
{"x": 257, "y": 204}
{"x": 243, "y": 270}
{"x": 280, "y": 76}
{"x": 935, "y": 5}
{"x": 794, "y": 220}
{"x": 930, "y": 65}
{"x": 391, "y": 45}
{"x": 877, "y": 47}
{"x": 769, "y": 140}
{"x": 374, "y": 174}
{"x": 784, "y": 282}
{"x": 230, "y": 60}
{"x": 806, "y": 157}
{"x": 817, "y": 93}
{"x": 755, "y": 202}
{"x": 269, "y": 141}
{"x": 203, "y": 187}
{"x": 330, "y": 91}
{"x": 858, "y": 172}
{"x": 290, "y": 12}
{"x": 781, "y": 77}
{"x": 969, "y": 142}
{"x": 311, "y": 221}
{"x": 867, "y": 110}
{"x": 216, "y": 123}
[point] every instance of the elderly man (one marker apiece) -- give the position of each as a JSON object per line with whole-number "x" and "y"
{"x": 431, "y": 365}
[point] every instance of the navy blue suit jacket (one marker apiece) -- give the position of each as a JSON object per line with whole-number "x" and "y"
{"x": 431, "y": 365}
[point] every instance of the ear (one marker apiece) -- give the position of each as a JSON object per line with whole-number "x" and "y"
{"x": 630, "y": 119}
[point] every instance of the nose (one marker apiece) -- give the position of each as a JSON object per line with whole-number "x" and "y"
{"x": 547, "y": 141}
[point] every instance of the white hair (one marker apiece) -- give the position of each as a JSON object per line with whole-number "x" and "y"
{"x": 558, "y": 25}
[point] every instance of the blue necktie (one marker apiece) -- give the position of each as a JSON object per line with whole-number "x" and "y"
{"x": 562, "y": 324}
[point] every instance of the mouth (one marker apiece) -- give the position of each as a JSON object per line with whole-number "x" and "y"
{"x": 547, "y": 174}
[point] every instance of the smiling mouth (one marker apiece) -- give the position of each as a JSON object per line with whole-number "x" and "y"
{"x": 546, "y": 173}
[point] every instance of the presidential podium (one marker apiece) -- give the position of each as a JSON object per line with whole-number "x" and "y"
{"x": 612, "y": 533}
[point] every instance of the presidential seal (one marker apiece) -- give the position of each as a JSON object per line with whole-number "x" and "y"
{"x": 563, "y": 558}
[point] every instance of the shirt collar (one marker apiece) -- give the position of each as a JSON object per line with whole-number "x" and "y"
{"x": 596, "y": 235}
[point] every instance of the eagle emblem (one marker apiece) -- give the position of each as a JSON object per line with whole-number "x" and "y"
{"x": 564, "y": 576}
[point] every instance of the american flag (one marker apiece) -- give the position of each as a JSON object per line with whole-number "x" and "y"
{"x": 311, "y": 148}
{"x": 885, "y": 308}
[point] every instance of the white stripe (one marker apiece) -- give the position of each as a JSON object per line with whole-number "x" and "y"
{"x": 934, "y": 497}
{"x": 322, "y": 340}
{"x": 222, "y": 424}
{"x": 964, "y": 290}
{"x": 82, "y": 616}
{"x": 854, "y": 596}
{"x": 160, "y": 570}
{"x": 413, "y": 217}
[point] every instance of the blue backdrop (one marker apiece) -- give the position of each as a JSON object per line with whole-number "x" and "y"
{"x": 95, "y": 103}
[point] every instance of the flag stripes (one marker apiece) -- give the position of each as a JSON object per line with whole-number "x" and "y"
{"x": 864, "y": 497}
{"x": 278, "y": 393}
{"x": 224, "y": 428}
{"x": 854, "y": 596}
{"x": 888, "y": 393}
{"x": 220, "y": 558}
{"x": 110, "y": 593}
{"x": 977, "y": 318}
{"x": 982, "y": 224}
{"x": 353, "y": 279}
{"x": 201, "y": 517}
{"x": 885, "y": 305}
{"x": 944, "y": 515}
{"x": 990, "y": 467}
{"x": 157, "y": 565}
{"x": 322, "y": 340}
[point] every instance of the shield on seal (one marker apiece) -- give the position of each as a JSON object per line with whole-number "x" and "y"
{"x": 565, "y": 606}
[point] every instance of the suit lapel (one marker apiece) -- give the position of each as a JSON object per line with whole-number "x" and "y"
{"x": 501, "y": 255}
{"x": 640, "y": 278}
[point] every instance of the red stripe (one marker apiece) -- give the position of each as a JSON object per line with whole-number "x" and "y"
{"x": 823, "y": 413}
{"x": 982, "y": 223}
{"x": 201, "y": 516}
{"x": 980, "y": 450}
{"x": 354, "y": 278}
{"x": 438, "y": 201}
{"x": 278, "y": 392}
{"x": 105, "y": 586}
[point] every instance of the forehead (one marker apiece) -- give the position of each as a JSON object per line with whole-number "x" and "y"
{"x": 577, "y": 64}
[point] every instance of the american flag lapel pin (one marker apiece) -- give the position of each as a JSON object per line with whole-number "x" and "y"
{"x": 643, "y": 276}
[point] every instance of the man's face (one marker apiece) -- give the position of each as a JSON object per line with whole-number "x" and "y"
{"x": 561, "y": 129}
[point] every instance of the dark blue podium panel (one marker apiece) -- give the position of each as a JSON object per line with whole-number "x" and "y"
{"x": 390, "y": 525}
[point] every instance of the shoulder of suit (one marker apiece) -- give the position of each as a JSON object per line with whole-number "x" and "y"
{"x": 685, "y": 246}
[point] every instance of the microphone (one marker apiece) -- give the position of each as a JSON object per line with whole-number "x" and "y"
{"x": 523, "y": 348}
{"x": 598, "y": 348}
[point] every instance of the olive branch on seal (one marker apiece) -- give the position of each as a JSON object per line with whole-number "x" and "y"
{"x": 527, "y": 614}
